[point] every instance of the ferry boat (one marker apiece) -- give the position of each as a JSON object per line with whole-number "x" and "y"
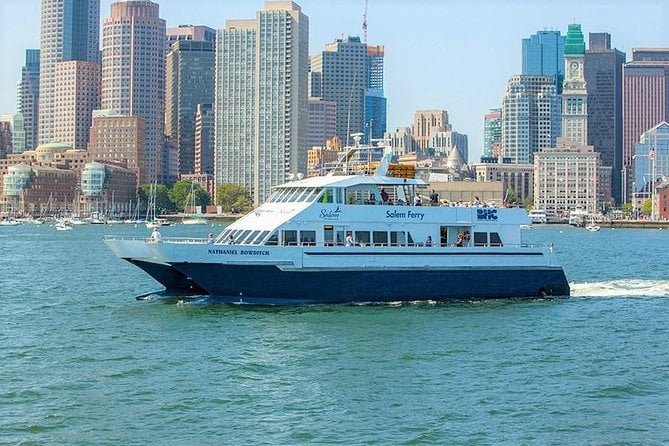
{"x": 537, "y": 216}
{"x": 355, "y": 238}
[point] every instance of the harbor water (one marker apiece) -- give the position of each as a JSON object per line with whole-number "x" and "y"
{"x": 83, "y": 362}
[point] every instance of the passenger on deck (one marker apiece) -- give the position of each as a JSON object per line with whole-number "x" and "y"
{"x": 349, "y": 239}
{"x": 372, "y": 198}
{"x": 230, "y": 240}
{"x": 155, "y": 236}
{"x": 428, "y": 242}
{"x": 466, "y": 237}
{"x": 384, "y": 195}
{"x": 434, "y": 198}
{"x": 460, "y": 241}
{"x": 210, "y": 238}
{"x": 417, "y": 200}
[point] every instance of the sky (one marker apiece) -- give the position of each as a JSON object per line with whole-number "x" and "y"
{"x": 455, "y": 55}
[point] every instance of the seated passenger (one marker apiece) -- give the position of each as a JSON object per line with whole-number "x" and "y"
{"x": 461, "y": 239}
{"x": 428, "y": 242}
{"x": 384, "y": 195}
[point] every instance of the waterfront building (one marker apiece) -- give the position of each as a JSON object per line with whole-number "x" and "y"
{"x": 15, "y": 127}
{"x": 5, "y": 140}
{"x": 566, "y": 177}
{"x": 492, "y": 131}
{"x": 133, "y": 75}
{"x": 645, "y": 100}
{"x": 543, "y": 54}
{"x": 322, "y": 121}
{"x": 401, "y": 141}
{"x": 516, "y": 177}
{"x": 262, "y": 68}
{"x": 189, "y": 79}
{"x": 342, "y": 78}
{"x": 69, "y": 31}
{"x": 321, "y": 160}
{"x": 651, "y": 164}
{"x": 107, "y": 189}
{"x": 76, "y": 95}
{"x": 603, "y": 68}
{"x": 204, "y": 139}
{"x": 531, "y": 111}
{"x": 28, "y": 103}
{"x": 425, "y": 122}
{"x": 119, "y": 139}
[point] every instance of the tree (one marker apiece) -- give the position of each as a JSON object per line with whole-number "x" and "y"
{"x": 232, "y": 197}
{"x": 163, "y": 202}
{"x": 528, "y": 203}
{"x": 181, "y": 197}
{"x": 510, "y": 195}
{"x": 647, "y": 207}
{"x": 627, "y": 209}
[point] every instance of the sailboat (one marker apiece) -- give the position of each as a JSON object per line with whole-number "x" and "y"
{"x": 151, "y": 221}
{"x": 193, "y": 219}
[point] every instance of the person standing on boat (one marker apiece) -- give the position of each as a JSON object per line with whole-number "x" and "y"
{"x": 417, "y": 200}
{"x": 434, "y": 198}
{"x": 349, "y": 239}
{"x": 155, "y": 236}
{"x": 428, "y": 242}
{"x": 384, "y": 196}
{"x": 231, "y": 240}
{"x": 210, "y": 238}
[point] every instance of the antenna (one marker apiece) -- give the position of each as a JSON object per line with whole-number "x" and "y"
{"x": 364, "y": 24}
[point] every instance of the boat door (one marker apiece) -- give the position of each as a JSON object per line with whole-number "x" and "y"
{"x": 333, "y": 235}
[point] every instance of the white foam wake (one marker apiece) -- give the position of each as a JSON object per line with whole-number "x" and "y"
{"x": 621, "y": 288}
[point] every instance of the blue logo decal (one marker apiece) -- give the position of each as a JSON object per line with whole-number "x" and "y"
{"x": 328, "y": 214}
{"x": 486, "y": 214}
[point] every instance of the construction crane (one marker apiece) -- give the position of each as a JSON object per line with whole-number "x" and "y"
{"x": 364, "y": 24}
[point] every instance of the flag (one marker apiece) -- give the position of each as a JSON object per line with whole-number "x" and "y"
{"x": 651, "y": 154}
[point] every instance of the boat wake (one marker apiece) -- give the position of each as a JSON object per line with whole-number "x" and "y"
{"x": 621, "y": 288}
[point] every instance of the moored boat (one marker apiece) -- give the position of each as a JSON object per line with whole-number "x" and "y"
{"x": 356, "y": 238}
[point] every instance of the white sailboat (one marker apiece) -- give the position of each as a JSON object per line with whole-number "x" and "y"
{"x": 193, "y": 219}
{"x": 151, "y": 221}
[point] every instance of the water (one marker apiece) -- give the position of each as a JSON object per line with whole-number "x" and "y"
{"x": 83, "y": 362}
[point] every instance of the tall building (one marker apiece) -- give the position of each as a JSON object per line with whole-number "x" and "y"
{"x": 375, "y": 101}
{"x": 444, "y": 141}
{"x": 645, "y": 99}
{"x": 425, "y": 122}
{"x": 29, "y": 101}
{"x": 322, "y": 121}
{"x": 16, "y": 128}
{"x": 543, "y": 54}
{"x": 204, "y": 139}
{"x": 195, "y": 33}
{"x": 261, "y": 109}
{"x": 603, "y": 68}
{"x": 492, "y": 131}
{"x": 76, "y": 95}
{"x": 342, "y": 68}
{"x": 651, "y": 164}
{"x": 530, "y": 117}
{"x": 189, "y": 81}
{"x": 566, "y": 176}
{"x": 133, "y": 75}
{"x": 69, "y": 31}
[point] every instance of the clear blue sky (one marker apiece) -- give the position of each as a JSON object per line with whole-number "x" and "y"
{"x": 440, "y": 54}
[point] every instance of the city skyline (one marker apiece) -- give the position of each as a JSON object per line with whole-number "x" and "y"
{"x": 457, "y": 58}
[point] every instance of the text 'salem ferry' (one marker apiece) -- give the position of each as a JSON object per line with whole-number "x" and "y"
{"x": 322, "y": 240}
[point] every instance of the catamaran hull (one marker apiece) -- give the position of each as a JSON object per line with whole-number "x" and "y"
{"x": 174, "y": 281}
{"x": 268, "y": 284}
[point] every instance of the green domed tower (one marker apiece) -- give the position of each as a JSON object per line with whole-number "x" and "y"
{"x": 574, "y": 93}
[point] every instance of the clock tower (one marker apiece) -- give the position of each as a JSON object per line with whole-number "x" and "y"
{"x": 574, "y": 94}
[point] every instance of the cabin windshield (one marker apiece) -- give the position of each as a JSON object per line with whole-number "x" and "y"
{"x": 295, "y": 194}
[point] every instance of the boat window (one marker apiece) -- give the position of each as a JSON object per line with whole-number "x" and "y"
{"x": 328, "y": 235}
{"x": 295, "y": 193}
{"x": 339, "y": 195}
{"x": 308, "y": 238}
{"x": 313, "y": 194}
{"x": 251, "y": 237}
{"x": 480, "y": 239}
{"x": 362, "y": 237}
{"x": 327, "y": 196}
{"x": 275, "y": 194}
{"x": 302, "y": 194}
{"x": 259, "y": 239}
{"x": 410, "y": 239}
{"x": 380, "y": 238}
{"x": 273, "y": 239}
{"x": 242, "y": 236}
{"x": 353, "y": 197}
{"x": 341, "y": 238}
{"x": 495, "y": 240}
{"x": 397, "y": 238}
{"x": 289, "y": 237}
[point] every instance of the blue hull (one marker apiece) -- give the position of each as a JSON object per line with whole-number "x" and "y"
{"x": 172, "y": 279}
{"x": 267, "y": 284}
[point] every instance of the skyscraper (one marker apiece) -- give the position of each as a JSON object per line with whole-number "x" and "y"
{"x": 196, "y": 33}
{"x": 69, "y": 31}
{"x": 574, "y": 93}
{"x": 343, "y": 70}
{"x": 375, "y": 102}
{"x": 645, "y": 98}
{"x": 425, "y": 122}
{"x": 530, "y": 116}
{"x": 133, "y": 74}
{"x": 204, "y": 139}
{"x": 29, "y": 103}
{"x": 603, "y": 68}
{"x": 492, "y": 131}
{"x": 543, "y": 54}
{"x": 76, "y": 95}
{"x": 261, "y": 98}
{"x": 189, "y": 81}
